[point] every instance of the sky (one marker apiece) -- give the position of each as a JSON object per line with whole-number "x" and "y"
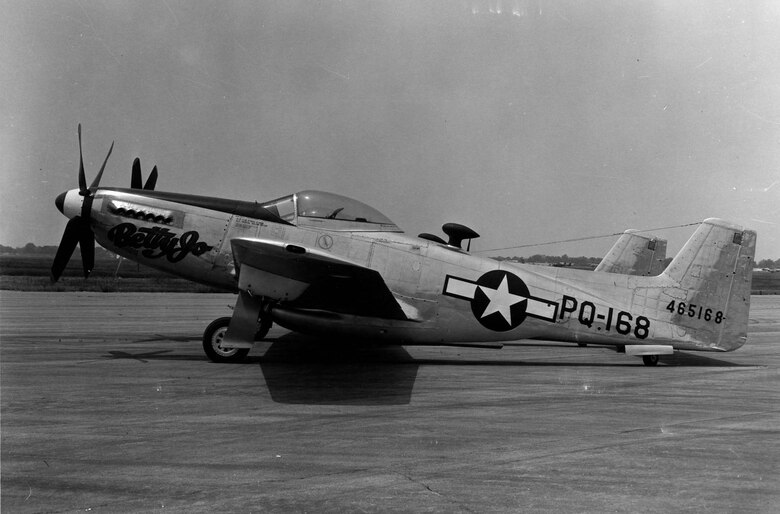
{"x": 528, "y": 121}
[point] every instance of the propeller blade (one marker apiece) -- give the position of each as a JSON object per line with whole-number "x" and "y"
{"x": 152, "y": 180}
{"x": 82, "y": 177}
{"x": 70, "y": 239}
{"x": 87, "y": 246}
{"x": 96, "y": 182}
{"x": 135, "y": 180}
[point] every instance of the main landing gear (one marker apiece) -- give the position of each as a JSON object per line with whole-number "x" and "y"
{"x": 215, "y": 333}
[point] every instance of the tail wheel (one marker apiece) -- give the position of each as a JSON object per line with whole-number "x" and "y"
{"x": 212, "y": 343}
{"x": 650, "y": 360}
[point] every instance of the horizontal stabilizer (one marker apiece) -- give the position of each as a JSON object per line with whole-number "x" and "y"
{"x": 649, "y": 349}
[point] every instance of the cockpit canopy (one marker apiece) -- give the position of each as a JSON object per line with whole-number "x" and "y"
{"x": 329, "y": 211}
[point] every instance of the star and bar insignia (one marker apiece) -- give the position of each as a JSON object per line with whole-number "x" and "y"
{"x": 500, "y": 300}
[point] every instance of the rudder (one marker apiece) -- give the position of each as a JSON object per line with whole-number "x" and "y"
{"x": 709, "y": 298}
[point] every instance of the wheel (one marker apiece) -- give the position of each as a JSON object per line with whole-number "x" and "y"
{"x": 650, "y": 360}
{"x": 212, "y": 343}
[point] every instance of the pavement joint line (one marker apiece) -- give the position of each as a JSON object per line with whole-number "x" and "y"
{"x": 704, "y": 420}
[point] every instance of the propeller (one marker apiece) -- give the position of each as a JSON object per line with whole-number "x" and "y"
{"x": 135, "y": 180}
{"x": 152, "y": 180}
{"x": 78, "y": 230}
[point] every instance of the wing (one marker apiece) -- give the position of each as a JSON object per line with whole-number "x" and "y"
{"x": 309, "y": 278}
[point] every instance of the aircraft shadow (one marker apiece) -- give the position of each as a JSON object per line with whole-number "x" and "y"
{"x": 329, "y": 352}
{"x": 628, "y": 363}
{"x": 302, "y": 370}
{"x": 697, "y": 360}
{"x": 307, "y": 370}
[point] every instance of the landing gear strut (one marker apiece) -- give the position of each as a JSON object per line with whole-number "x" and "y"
{"x": 215, "y": 333}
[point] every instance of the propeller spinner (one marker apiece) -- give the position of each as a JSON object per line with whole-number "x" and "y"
{"x": 76, "y": 204}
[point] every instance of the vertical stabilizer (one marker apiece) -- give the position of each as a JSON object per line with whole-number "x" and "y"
{"x": 710, "y": 297}
{"x": 635, "y": 254}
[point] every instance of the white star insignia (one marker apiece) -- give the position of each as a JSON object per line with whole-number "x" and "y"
{"x": 501, "y": 300}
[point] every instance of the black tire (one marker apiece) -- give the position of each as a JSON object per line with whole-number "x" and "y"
{"x": 212, "y": 343}
{"x": 650, "y": 360}
{"x": 263, "y": 327}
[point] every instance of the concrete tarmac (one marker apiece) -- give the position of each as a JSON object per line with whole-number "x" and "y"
{"x": 108, "y": 404}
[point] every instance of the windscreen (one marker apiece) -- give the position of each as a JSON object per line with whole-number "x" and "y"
{"x": 283, "y": 207}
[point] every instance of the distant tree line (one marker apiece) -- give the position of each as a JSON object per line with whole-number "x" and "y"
{"x": 565, "y": 260}
{"x": 29, "y": 249}
{"x": 560, "y": 260}
{"x": 49, "y": 250}
{"x": 768, "y": 263}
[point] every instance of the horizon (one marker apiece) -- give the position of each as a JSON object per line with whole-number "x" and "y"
{"x": 98, "y": 247}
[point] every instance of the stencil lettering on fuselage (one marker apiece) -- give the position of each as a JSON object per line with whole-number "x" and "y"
{"x": 500, "y": 300}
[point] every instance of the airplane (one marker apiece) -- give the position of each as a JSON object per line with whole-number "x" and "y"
{"x": 321, "y": 263}
{"x": 635, "y": 254}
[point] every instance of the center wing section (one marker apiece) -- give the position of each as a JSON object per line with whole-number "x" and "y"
{"x": 309, "y": 278}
